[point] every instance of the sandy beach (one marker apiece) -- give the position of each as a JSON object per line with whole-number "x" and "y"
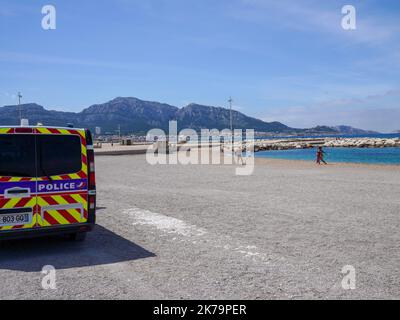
{"x": 284, "y": 163}
{"x": 284, "y": 232}
{"x": 201, "y": 232}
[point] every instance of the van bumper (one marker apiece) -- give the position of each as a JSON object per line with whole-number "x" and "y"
{"x": 47, "y": 231}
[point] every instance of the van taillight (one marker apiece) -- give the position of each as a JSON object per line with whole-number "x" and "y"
{"x": 92, "y": 176}
{"x": 92, "y": 202}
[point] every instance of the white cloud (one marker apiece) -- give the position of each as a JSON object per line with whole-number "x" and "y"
{"x": 380, "y": 112}
{"x": 318, "y": 16}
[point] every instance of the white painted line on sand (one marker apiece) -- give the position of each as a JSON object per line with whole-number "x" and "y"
{"x": 191, "y": 233}
{"x": 164, "y": 223}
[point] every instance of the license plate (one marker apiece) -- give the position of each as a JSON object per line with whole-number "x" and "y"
{"x": 15, "y": 219}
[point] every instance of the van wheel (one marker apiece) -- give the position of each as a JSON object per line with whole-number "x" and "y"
{"x": 78, "y": 236}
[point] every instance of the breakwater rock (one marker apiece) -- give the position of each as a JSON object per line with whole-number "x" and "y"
{"x": 286, "y": 144}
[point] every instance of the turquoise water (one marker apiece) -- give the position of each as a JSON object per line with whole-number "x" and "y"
{"x": 355, "y": 155}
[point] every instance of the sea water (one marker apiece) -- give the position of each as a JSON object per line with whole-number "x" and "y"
{"x": 354, "y": 155}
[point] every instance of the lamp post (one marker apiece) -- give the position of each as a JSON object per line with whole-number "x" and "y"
{"x": 19, "y": 106}
{"x": 230, "y": 116}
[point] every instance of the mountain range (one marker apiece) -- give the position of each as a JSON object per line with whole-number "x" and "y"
{"x": 350, "y": 130}
{"x": 138, "y": 116}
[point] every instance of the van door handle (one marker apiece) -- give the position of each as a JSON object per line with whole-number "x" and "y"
{"x": 17, "y": 193}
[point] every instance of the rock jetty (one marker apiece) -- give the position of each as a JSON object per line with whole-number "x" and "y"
{"x": 286, "y": 144}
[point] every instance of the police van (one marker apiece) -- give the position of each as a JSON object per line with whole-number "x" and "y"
{"x": 47, "y": 182}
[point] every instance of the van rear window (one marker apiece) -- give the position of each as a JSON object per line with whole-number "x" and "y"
{"x": 58, "y": 154}
{"x": 17, "y": 155}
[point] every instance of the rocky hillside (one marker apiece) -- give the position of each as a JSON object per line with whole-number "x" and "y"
{"x": 9, "y": 115}
{"x": 198, "y": 116}
{"x": 138, "y": 116}
{"x": 351, "y": 130}
{"x": 135, "y": 116}
{"x": 132, "y": 114}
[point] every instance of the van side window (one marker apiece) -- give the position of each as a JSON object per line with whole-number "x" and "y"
{"x": 58, "y": 155}
{"x": 17, "y": 155}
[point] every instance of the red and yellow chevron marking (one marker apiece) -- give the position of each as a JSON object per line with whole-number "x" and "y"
{"x": 6, "y": 130}
{"x": 82, "y": 174}
{"x": 43, "y": 213}
{"x": 19, "y": 203}
{"x": 79, "y": 132}
{"x": 49, "y": 216}
{"x": 13, "y": 179}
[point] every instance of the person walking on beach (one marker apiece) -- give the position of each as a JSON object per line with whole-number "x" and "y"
{"x": 320, "y": 156}
{"x": 238, "y": 151}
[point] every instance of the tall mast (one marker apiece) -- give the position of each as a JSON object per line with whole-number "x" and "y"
{"x": 230, "y": 116}
{"x": 19, "y": 106}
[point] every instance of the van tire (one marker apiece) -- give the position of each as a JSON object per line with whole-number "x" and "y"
{"x": 78, "y": 236}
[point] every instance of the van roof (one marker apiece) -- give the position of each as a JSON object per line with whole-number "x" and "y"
{"x": 46, "y": 127}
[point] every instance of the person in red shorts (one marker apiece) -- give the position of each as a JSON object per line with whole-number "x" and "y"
{"x": 320, "y": 156}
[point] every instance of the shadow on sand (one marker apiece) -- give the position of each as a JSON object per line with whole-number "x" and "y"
{"x": 102, "y": 246}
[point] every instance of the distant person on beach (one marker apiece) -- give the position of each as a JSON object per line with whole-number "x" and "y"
{"x": 239, "y": 155}
{"x": 320, "y": 156}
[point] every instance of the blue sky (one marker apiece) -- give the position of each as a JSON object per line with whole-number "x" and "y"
{"x": 284, "y": 60}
